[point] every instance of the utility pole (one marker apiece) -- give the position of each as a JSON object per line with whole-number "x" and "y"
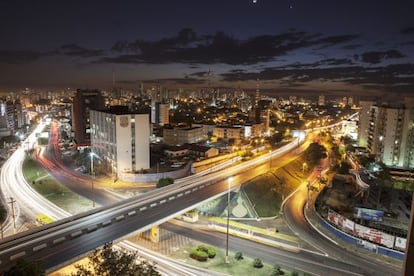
{"x": 92, "y": 176}
{"x": 12, "y": 201}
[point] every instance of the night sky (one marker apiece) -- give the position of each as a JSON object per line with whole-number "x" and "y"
{"x": 363, "y": 47}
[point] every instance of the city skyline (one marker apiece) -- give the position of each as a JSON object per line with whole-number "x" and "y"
{"x": 302, "y": 47}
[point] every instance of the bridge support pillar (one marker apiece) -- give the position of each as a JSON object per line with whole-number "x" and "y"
{"x": 155, "y": 234}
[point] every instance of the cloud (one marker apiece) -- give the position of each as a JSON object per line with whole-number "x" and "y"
{"x": 396, "y": 77}
{"x": 352, "y": 46}
{"x": 182, "y": 81}
{"x": 201, "y": 74}
{"x": 76, "y": 50}
{"x": 375, "y": 57}
{"x": 20, "y": 57}
{"x": 121, "y": 59}
{"x": 189, "y": 47}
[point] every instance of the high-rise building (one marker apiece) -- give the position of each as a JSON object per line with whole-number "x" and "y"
{"x": 321, "y": 100}
{"x": 14, "y": 115}
{"x": 84, "y": 101}
{"x": 391, "y": 134}
{"x": 121, "y": 140}
{"x": 364, "y": 122}
{"x": 160, "y": 113}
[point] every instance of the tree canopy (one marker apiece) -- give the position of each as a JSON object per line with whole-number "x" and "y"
{"x": 165, "y": 182}
{"x": 23, "y": 267}
{"x": 107, "y": 261}
{"x": 314, "y": 153}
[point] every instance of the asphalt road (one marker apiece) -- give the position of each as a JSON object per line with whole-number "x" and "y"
{"x": 293, "y": 215}
{"x": 303, "y": 260}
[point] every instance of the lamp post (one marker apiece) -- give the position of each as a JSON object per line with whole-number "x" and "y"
{"x": 304, "y": 167}
{"x": 92, "y": 175}
{"x": 229, "y": 180}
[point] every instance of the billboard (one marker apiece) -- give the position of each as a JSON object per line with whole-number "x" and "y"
{"x": 374, "y": 235}
{"x": 400, "y": 243}
{"x": 368, "y": 214}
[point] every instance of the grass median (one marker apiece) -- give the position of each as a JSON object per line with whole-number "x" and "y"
{"x": 46, "y": 185}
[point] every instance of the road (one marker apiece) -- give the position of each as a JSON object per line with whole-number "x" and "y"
{"x": 293, "y": 212}
{"x": 86, "y": 241}
{"x": 302, "y": 260}
{"x": 28, "y": 203}
{"x": 164, "y": 204}
{"x": 64, "y": 240}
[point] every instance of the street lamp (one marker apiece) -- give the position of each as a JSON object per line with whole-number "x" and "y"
{"x": 229, "y": 180}
{"x": 92, "y": 176}
{"x": 304, "y": 167}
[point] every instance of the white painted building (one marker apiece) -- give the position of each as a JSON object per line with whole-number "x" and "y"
{"x": 121, "y": 140}
{"x": 391, "y": 135}
{"x": 363, "y": 122}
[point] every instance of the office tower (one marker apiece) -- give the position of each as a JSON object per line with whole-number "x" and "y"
{"x": 391, "y": 134}
{"x": 121, "y": 140}
{"x": 84, "y": 101}
{"x": 321, "y": 100}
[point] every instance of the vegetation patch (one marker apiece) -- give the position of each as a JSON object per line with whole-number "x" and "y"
{"x": 51, "y": 189}
{"x": 203, "y": 252}
{"x": 267, "y": 191}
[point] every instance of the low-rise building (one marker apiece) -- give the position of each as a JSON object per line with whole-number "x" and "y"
{"x": 182, "y": 135}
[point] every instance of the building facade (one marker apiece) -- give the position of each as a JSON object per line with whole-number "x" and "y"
{"x": 364, "y": 122}
{"x": 182, "y": 135}
{"x": 160, "y": 113}
{"x": 84, "y": 101}
{"x": 391, "y": 135}
{"x": 121, "y": 140}
{"x": 230, "y": 132}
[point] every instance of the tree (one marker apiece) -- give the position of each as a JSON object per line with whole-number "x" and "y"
{"x": 162, "y": 182}
{"x": 344, "y": 167}
{"x": 276, "y": 271}
{"x": 314, "y": 153}
{"x": 23, "y": 267}
{"x": 238, "y": 256}
{"x": 257, "y": 263}
{"x": 110, "y": 262}
{"x": 276, "y": 138}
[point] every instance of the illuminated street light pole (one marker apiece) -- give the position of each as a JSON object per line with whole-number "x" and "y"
{"x": 229, "y": 180}
{"x": 12, "y": 202}
{"x": 92, "y": 175}
{"x": 304, "y": 167}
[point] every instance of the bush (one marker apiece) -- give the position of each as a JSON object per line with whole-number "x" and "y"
{"x": 238, "y": 256}
{"x": 211, "y": 252}
{"x": 162, "y": 182}
{"x": 295, "y": 273}
{"x": 277, "y": 271}
{"x": 199, "y": 255}
{"x": 202, "y": 252}
{"x": 257, "y": 263}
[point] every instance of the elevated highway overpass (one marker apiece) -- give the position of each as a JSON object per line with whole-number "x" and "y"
{"x": 64, "y": 240}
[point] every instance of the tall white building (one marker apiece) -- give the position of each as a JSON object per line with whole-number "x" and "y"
{"x": 391, "y": 135}
{"x": 121, "y": 140}
{"x": 364, "y": 122}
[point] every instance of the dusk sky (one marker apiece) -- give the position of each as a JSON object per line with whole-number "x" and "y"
{"x": 363, "y": 47}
